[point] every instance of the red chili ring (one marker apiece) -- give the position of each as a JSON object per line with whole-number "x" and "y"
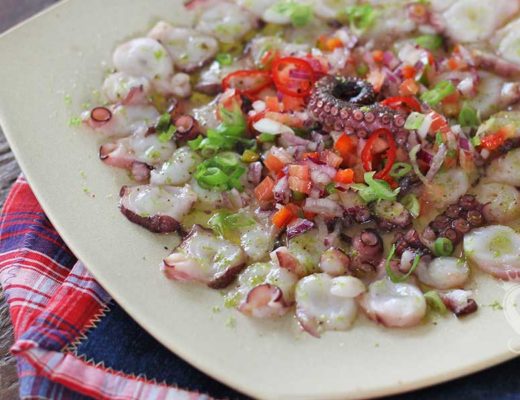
{"x": 397, "y": 101}
{"x": 300, "y": 64}
{"x": 391, "y": 153}
{"x": 226, "y": 83}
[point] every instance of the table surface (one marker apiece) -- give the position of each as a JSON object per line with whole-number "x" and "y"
{"x": 11, "y": 12}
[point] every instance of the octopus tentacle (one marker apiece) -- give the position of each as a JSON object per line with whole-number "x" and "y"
{"x": 349, "y": 104}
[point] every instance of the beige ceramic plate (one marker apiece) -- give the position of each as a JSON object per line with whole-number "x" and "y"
{"x": 61, "y": 53}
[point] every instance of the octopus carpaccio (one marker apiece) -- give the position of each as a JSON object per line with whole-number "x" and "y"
{"x": 334, "y": 158}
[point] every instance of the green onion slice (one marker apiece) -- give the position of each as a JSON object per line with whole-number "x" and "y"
{"x": 414, "y": 121}
{"x": 411, "y": 203}
{"x": 443, "y": 247}
{"x": 430, "y": 42}
{"x": 438, "y": 93}
{"x": 397, "y": 278}
{"x": 400, "y": 169}
{"x": 375, "y": 189}
{"x": 435, "y": 302}
{"x": 224, "y": 59}
{"x": 468, "y": 116}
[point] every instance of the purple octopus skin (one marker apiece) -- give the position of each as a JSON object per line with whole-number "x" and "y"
{"x": 154, "y": 223}
{"x": 348, "y": 104}
{"x": 368, "y": 253}
{"x": 457, "y": 220}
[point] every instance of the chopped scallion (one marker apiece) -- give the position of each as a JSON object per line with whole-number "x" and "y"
{"x": 435, "y": 302}
{"x": 442, "y": 90}
{"x": 396, "y": 278}
{"x": 375, "y": 189}
{"x": 400, "y": 169}
{"x": 430, "y": 42}
{"x": 443, "y": 247}
{"x": 224, "y": 59}
{"x": 414, "y": 121}
{"x": 468, "y": 116}
{"x": 411, "y": 203}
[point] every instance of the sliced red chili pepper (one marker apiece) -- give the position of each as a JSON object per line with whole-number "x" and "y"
{"x": 293, "y": 76}
{"x": 367, "y": 155}
{"x": 398, "y": 101}
{"x": 247, "y": 82}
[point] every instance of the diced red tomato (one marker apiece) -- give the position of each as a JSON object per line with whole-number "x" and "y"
{"x": 282, "y": 217}
{"x": 409, "y": 87}
{"x": 439, "y": 124}
{"x": 300, "y": 171}
{"x": 408, "y": 72}
{"x": 378, "y": 56}
{"x": 300, "y": 185}
{"x": 344, "y": 145}
{"x": 273, "y": 104}
{"x": 273, "y": 163}
{"x": 344, "y": 176}
{"x": 330, "y": 158}
{"x": 264, "y": 190}
{"x": 313, "y": 156}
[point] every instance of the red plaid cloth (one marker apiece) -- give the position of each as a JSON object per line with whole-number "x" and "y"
{"x": 53, "y": 301}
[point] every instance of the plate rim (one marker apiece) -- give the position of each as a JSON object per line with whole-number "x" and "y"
{"x": 402, "y": 388}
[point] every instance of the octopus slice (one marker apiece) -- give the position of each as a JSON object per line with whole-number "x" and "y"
{"x": 202, "y": 257}
{"x": 476, "y": 20}
{"x": 459, "y": 302}
{"x": 367, "y": 253}
{"x": 302, "y": 254}
{"x": 266, "y": 290}
{"x": 348, "y": 104}
{"x": 505, "y": 169}
{"x": 508, "y": 44}
{"x": 178, "y": 170}
{"x": 121, "y": 87}
{"x": 324, "y": 303}
{"x": 159, "y": 209}
{"x": 395, "y": 305}
{"x": 501, "y": 202}
{"x": 495, "y": 249}
{"x": 207, "y": 199}
{"x": 226, "y": 21}
{"x": 444, "y": 273}
{"x": 140, "y": 147}
{"x": 143, "y": 57}
{"x": 391, "y": 215}
{"x": 210, "y": 81}
{"x": 331, "y": 9}
{"x": 334, "y": 262}
{"x": 123, "y": 120}
{"x": 465, "y": 214}
{"x": 447, "y": 187}
{"x": 188, "y": 48}
{"x": 257, "y": 241}
{"x": 257, "y": 7}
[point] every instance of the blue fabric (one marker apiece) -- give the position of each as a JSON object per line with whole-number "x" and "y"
{"x": 123, "y": 345}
